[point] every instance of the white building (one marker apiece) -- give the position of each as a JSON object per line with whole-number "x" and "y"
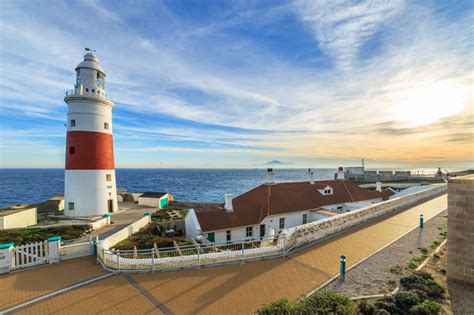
{"x": 18, "y": 216}
{"x": 154, "y": 199}
{"x": 89, "y": 184}
{"x": 273, "y": 207}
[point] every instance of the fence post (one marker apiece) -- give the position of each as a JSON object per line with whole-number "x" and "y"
{"x": 54, "y": 249}
{"x": 243, "y": 246}
{"x": 153, "y": 259}
{"x": 199, "y": 256}
{"x": 421, "y": 221}
{"x": 6, "y": 257}
{"x": 117, "y": 253}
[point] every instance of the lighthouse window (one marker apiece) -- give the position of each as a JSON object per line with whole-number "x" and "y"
{"x": 108, "y": 177}
{"x": 93, "y": 91}
{"x": 87, "y": 89}
{"x": 106, "y": 126}
{"x": 72, "y": 123}
{"x": 72, "y": 150}
{"x": 71, "y": 206}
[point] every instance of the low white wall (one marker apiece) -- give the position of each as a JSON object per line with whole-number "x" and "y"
{"x": 125, "y": 232}
{"x": 19, "y": 219}
{"x": 152, "y": 202}
{"x": 76, "y": 250}
{"x": 317, "y": 230}
{"x": 99, "y": 223}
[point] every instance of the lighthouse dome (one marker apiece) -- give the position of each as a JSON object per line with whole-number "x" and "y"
{"x": 92, "y": 62}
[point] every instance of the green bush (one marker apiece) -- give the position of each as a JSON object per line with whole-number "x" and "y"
{"x": 422, "y": 295}
{"x": 365, "y": 308}
{"x": 381, "y": 312}
{"x": 408, "y": 282}
{"x": 425, "y": 275}
{"x": 279, "y": 307}
{"x": 426, "y": 308}
{"x": 404, "y": 300}
{"x": 322, "y": 302}
{"x": 433, "y": 283}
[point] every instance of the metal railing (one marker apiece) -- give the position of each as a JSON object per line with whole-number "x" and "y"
{"x": 79, "y": 92}
{"x": 191, "y": 255}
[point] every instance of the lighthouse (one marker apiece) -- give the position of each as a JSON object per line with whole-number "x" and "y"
{"x": 89, "y": 183}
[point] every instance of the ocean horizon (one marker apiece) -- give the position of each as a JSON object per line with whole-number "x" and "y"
{"x": 33, "y": 185}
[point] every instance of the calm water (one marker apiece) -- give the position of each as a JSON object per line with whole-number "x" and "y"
{"x": 35, "y": 185}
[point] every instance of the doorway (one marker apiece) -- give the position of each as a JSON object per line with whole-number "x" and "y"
{"x": 111, "y": 205}
{"x": 262, "y": 230}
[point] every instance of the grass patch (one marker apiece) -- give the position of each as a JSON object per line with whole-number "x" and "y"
{"x": 26, "y": 236}
{"x": 397, "y": 269}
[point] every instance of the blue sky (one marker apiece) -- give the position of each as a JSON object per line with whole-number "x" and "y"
{"x": 240, "y": 83}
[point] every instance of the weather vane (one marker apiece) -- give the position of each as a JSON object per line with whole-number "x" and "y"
{"x": 90, "y": 49}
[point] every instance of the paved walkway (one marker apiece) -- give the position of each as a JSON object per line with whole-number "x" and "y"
{"x": 241, "y": 289}
{"x": 21, "y": 286}
{"x": 130, "y": 213}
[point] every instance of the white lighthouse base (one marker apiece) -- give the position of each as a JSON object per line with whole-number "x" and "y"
{"x": 89, "y": 193}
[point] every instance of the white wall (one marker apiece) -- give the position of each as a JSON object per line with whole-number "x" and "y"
{"x": 291, "y": 220}
{"x": 192, "y": 225}
{"x": 23, "y": 218}
{"x": 90, "y": 192}
{"x": 125, "y": 232}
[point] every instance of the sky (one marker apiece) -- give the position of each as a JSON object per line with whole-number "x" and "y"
{"x": 240, "y": 83}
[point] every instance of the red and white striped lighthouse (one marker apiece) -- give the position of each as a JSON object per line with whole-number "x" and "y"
{"x": 89, "y": 184}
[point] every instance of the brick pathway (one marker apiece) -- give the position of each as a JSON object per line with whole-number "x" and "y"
{"x": 21, "y": 286}
{"x": 241, "y": 289}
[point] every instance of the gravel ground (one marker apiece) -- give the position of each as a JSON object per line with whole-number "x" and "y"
{"x": 380, "y": 273}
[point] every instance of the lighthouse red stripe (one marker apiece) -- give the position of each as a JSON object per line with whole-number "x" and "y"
{"x": 91, "y": 151}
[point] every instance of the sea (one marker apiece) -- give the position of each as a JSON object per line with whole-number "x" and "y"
{"x": 19, "y": 186}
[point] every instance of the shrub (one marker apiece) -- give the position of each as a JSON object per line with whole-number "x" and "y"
{"x": 397, "y": 269}
{"x": 390, "y": 307}
{"x": 365, "y": 307}
{"x": 421, "y": 294}
{"x": 425, "y": 275}
{"x": 381, "y": 312}
{"x": 279, "y": 307}
{"x": 434, "y": 283}
{"x": 404, "y": 300}
{"x": 426, "y": 307}
{"x": 408, "y": 282}
{"x": 329, "y": 301}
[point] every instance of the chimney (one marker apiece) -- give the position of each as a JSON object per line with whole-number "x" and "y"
{"x": 378, "y": 186}
{"x": 228, "y": 202}
{"x": 340, "y": 173}
{"x": 310, "y": 174}
{"x": 270, "y": 177}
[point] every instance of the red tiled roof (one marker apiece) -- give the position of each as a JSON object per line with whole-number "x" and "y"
{"x": 253, "y": 206}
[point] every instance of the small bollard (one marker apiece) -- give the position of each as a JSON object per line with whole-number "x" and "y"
{"x": 421, "y": 221}
{"x": 342, "y": 274}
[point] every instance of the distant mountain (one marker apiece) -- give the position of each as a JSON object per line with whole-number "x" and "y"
{"x": 276, "y": 162}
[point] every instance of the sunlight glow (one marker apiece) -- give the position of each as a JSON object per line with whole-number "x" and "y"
{"x": 428, "y": 104}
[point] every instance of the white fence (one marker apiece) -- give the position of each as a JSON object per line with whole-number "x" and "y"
{"x": 212, "y": 254}
{"x": 190, "y": 255}
{"x": 30, "y": 255}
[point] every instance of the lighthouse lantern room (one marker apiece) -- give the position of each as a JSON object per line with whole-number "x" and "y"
{"x": 89, "y": 184}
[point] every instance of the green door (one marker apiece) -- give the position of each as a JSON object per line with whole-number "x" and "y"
{"x": 163, "y": 202}
{"x": 210, "y": 237}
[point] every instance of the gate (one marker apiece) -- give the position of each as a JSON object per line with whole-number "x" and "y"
{"x": 30, "y": 255}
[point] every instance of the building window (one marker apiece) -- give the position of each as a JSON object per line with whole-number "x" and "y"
{"x": 106, "y": 126}
{"x": 108, "y": 177}
{"x": 93, "y": 91}
{"x": 282, "y": 223}
{"x": 87, "y": 89}
{"x": 249, "y": 231}
{"x": 72, "y": 150}
{"x": 70, "y": 206}
{"x": 72, "y": 123}
{"x": 305, "y": 218}
{"x": 228, "y": 236}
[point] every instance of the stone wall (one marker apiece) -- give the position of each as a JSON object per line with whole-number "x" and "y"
{"x": 320, "y": 229}
{"x": 460, "y": 265}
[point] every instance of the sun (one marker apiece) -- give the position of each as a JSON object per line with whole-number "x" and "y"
{"x": 427, "y": 104}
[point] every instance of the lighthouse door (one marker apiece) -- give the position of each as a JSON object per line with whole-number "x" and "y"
{"x": 111, "y": 205}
